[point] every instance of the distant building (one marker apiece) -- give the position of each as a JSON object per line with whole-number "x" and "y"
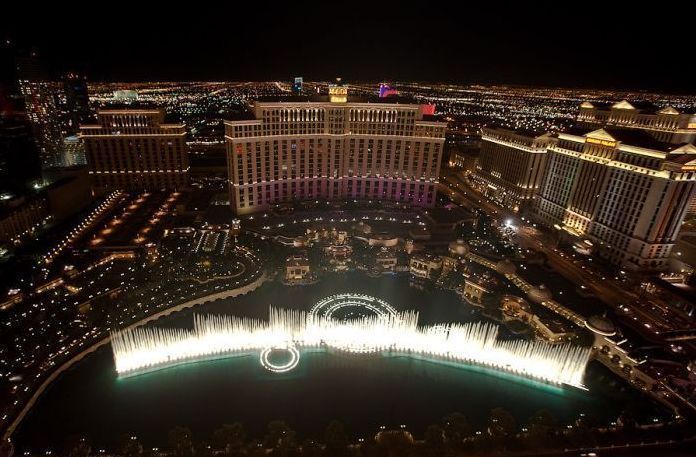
{"x": 475, "y": 288}
{"x": 622, "y": 189}
{"x": 125, "y": 95}
{"x": 21, "y": 215}
{"x": 76, "y": 102}
{"x": 42, "y": 110}
{"x": 386, "y": 259}
{"x": 333, "y": 150}
{"x": 134, "y": 149}
{"x": 73, "y": 151}
{"x": 338, "y": 93}
{"x": 511, "y": 166}
{"x": 665, "y": 124}
{"x": 297, "y": 85}
{"x": 424, "y": 265}
{"x": 297, "y": 268}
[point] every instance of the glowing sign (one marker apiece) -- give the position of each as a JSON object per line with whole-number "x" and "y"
{"x": 428, "y": 110}
{"x": 611, "y": 144}
{"x": 386, "y": 91}
{"x": 338, "y": 94}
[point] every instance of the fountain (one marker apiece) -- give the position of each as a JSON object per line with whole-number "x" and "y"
{"x": 144, "y": 349}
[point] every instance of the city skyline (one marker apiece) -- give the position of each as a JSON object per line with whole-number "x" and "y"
{"x": 512, "y": 45}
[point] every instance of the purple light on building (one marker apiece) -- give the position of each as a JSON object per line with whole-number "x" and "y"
{"x": 386, "y": 91}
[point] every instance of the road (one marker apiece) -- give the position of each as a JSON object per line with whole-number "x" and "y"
{"x": 647, "y": 317}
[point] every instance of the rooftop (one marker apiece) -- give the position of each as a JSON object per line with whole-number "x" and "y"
{"x": 641, "y": 106}
{"x": 632, "y": 137}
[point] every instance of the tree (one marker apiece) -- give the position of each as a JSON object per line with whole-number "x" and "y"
{"x": 180, "y": 440}
{"x": 543, "y": 430}
{"x": 501, "y": 423}
{"x": 455, "y": 428}
{"x": 434, "y": 439}
{"x": 395, "y": 443}
{"x": 230, "y": 438}
{"x": 203, "y": 450}
{"x": 78, "y": 446}
{"x": 584, "y": 433}
{"x": 255, "y": 449}
{"x": 483, "y": 225}
{"x": 467, "y": 230}
{"x": 130, "y": 446}
{"x": 311, "y": 448}
{"x": 492, "y": 302}
{"x": 627, "y": 419}
{"x": 336, "y": 439}
{"x": 280, "y": 438}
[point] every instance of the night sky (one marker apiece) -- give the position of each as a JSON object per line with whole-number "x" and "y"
{"x": 578, "y": 44}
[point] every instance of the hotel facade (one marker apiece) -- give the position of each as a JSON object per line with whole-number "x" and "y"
{"x": 666, "y": 124}
{"x": 134, "y": 149}
{"x": 622, "y": 190}
{"x": 510, "y": 166}
{"x": 333, "y": 150}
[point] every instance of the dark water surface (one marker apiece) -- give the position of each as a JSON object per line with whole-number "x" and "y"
{"x": 364, "y": 392}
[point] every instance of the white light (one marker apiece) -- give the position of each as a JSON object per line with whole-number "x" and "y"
{"x": 144, "y": 349}
{"x": 292, "y": 363}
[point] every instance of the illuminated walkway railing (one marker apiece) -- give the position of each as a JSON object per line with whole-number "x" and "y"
{"x": 524, "y": 286}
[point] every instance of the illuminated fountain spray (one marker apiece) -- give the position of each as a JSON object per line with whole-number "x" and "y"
{"x": 143, "y": 349}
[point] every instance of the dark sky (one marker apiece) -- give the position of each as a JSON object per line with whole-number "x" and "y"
{"x": 580, "y": 44}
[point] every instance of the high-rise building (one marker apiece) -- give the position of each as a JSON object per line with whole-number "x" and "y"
{"x": 19, "y": 160}
{"x": 297, "y": 85}
{"x": 76, "y": 102}
{"x": 42, "y": 110}
{"x": 665, "y": 124}
{"x": 623, "y": 190}
{"x": 511, "y": 166}
{"x": 333, "y": 150}
{"x": 135, "y": 149}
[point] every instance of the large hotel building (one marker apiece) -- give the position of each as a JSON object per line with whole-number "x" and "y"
{"x": 42, "y": 110}
{"x": 666, "y": 124}
{"x": 622, "y": 179}
{"x": 333, "y": 150}
{"x": 134, "y": 149}
{"x": 510, "y": 166}
{"x": 621, "y": 189}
